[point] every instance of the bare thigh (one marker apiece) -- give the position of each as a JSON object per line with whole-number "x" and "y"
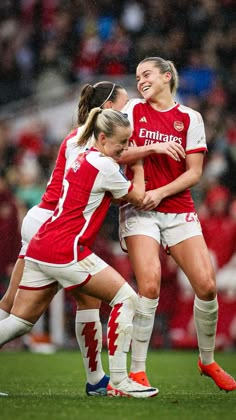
{"x": 83, "y": 301}
{"x": 103, "y": 285}
{"x": 31, "y": 304}
{"x": 193, "y": 258}
{"x": 8, "y": 299}
{"x": 143, "y": 253}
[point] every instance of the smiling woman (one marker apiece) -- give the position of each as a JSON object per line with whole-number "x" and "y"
{"x": 109, "y": 138}
{"x": 152, "y": 81}
{"x": 167, "y": 216}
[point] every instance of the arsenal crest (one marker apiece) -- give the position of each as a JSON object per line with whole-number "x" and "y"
{"x": 179, "y": 125}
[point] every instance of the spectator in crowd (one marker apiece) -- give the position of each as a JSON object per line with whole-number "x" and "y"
{"x": 197, "y": 78}
{"x": 218, "y": 221}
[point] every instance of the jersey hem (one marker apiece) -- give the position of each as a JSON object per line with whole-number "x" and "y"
{"x": 46, "y": 206}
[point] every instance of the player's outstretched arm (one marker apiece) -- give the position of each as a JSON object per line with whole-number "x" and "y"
{"x": 171, "y": 148}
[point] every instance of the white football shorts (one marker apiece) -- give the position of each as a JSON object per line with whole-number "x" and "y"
{"x": 167, "y": 229}
{"x": 39, "y": 276}
{"x": 32, "y": 221}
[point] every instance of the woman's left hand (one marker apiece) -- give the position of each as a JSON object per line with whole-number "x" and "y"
{"x": 151, "y": 200}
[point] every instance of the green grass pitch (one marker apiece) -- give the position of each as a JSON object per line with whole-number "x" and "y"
{"x": 52, "y": 387}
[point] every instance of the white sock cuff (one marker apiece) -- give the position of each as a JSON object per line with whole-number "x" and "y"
{"x": 123, "y": 293}
{"x": 21, "y": 320}
{"x": 206, "y": 305}
{"x": 87, "y": 315}
{"x": 147, "y": 305}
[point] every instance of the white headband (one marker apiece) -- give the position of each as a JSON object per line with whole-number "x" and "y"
{"x": 111, "y": 92}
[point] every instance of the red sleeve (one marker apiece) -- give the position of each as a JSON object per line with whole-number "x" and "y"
{"x": 53, "y": 190}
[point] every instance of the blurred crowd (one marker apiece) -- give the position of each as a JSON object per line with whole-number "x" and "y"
{"x": 48, "y": 45}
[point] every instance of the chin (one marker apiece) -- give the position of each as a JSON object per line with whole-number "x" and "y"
{"x": 146, "y": 96}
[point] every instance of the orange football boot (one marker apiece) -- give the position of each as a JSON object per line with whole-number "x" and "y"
{"x": 140, "y": 378}
{"x": 222, "y": 379}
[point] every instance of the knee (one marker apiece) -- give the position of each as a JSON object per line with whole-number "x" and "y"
{"x": 151, "y": 292}
{"x": 150, "y": 287}
{"x": 208, "y": 291}
{"x": 126, "y": 293}
{"x": 148, "y": 278}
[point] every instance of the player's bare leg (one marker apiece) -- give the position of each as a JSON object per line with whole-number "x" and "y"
{"x": 28, "y": 306}
{"x": 193, "y": 257}
{"x": 7, "y": 300}
{"x": 148, "y": 282}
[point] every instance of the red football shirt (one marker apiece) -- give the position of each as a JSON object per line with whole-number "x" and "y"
{"x": 88, "y": 187}
{"x": 67, "y": 154}
{"x": 180, "y": 124}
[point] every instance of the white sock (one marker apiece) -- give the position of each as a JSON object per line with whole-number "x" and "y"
{"x": 3, "y": 314}
{"x": 142, "y": 331}
{"x": 12, "y": 327}
{"x": 119, "y": 332}
{"x": 205, "y": 317}
{"x": 88, "y": 331}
